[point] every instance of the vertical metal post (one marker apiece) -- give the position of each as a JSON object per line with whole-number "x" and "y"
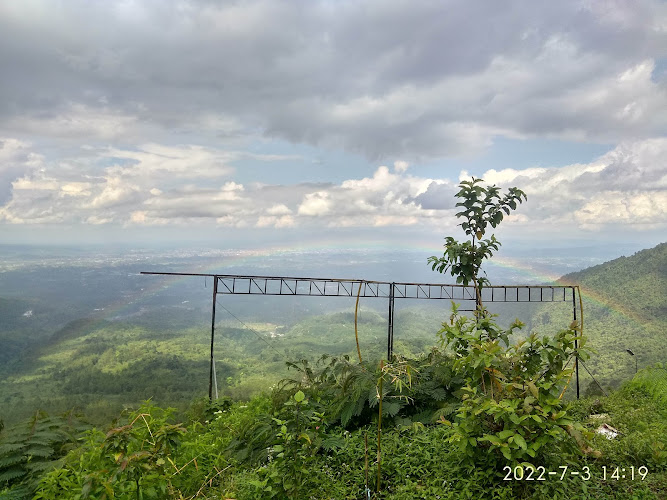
{"x": 390, "y": 329}
{"x": 210, "y": 376}
{"x": 576, "y": 344}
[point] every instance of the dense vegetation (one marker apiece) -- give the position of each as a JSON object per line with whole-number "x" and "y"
{"x": 100, "y": 367}
{"x": 146, "y": 450}
{"x": 115, "y": 360}
{"x": 477, "y": 410}
{"x": 625, "y": 305}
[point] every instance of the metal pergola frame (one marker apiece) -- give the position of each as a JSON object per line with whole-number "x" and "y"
{"x": 237, "y": 284}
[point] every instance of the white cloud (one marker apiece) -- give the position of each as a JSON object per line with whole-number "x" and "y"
{"x": 401, "y": 166}
{"x": 80, "y": 189}
{"x": 627, "y": 185}
{"x": 232, "y": 186}
{"x": 279, "y": 209}
{"x": 175, "y": 163}
{"x": 394, "y": 220}
{"x": 315, "y": 204}
{"x": 116, "y": 191}
{"x": 275, "y": 221}
{"x": 612, "y": 207}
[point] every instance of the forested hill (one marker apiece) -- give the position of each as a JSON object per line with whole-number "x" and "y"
{"x": 625, "y": 307}
{"x": 636, "y": 284}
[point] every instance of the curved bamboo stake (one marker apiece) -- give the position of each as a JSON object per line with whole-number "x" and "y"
{"x": 581, "y": 310}
{"x": 380, "y": 426}
{"x": 568, "y": 380}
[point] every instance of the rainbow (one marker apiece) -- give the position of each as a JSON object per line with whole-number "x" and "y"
{"x": 590, "y": 295}
{"x": 234, "y": 258}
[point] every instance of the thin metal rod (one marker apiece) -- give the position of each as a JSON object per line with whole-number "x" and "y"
{"x": 594, "y": 379}
{"x": 576, "y": 344}
{"x": 390, "y": 326}
{"x": 215, "y": 381}
{"x": 210, "y": 377}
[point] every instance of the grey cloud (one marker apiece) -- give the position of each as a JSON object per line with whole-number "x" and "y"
{"x": 7, "y": 175}
{"x": 283, "y": 69}
{"x": 16, "y": 160}
{"x": 438, "y": 196}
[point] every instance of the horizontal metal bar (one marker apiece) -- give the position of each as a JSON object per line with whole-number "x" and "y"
{"x": 334, "y": 287}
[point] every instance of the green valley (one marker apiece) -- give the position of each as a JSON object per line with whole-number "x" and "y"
{"x": 268, "y": 438}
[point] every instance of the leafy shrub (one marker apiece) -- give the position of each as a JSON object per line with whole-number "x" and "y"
{"x": 511, "y": 405}
{"x": 511, "y": 408}
{"x": 132, "y": 459}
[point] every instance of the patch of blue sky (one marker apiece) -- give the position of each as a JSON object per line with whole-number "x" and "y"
{"x": 516, "y": 154}
{"x": 115, "y": 161}
{"x": 660, "y": 70}
{"x": 305, "y": 163}
{"x": 302, "y": 164}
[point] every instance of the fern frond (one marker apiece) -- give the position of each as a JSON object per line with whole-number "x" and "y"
{"x": 16, "y": 493}
{"x": 333, "y": 442}
{"x": 10, "y": 460}
{"x": 10, "y": 447}
{"x": 15, "y": 435}
{"x": 391, "y": 408}
{"x": 43, "y": 465}
{"x": 47, "y": 435}
{"x": 9, "y": 474}
{"x": 41, "y": 451}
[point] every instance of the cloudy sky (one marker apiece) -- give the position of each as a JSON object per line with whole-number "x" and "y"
{"x": 307, "y": 122}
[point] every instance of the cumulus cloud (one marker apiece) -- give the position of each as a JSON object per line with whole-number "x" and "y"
{"x": 279, "y": 209}
{"x": 401, "y": 166}
{"x": 275, "y": 221}
{"x": 315, "y": 204}
{"x": 627, "y": 185}
{"x": 612, "y": 207}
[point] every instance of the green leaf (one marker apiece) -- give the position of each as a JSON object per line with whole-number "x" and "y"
{"x": 518, "y": 439}
{"x": 299, "y": 396}
{"x": 305, "y": 437}
{"x": 505, "y": 434}
{"x": 533, "y": 389}
{"x": 333, "y": 442}
{"x": 391, "y": 408}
